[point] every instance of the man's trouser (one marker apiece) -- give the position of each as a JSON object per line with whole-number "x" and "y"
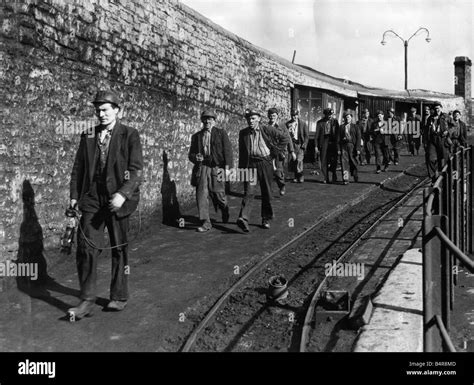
{"x": 368, "y": 149}
{"x": 382, "y": 154}
{"x": 396, "y": 147}
{"x": 264, "y": 177}
{"x": 209, "y": 186}
{"x": 414, "y": 143}
{"x": 297, "y": 165}
{"x": 328, "y": 156}
{"x": 92, "y": 225}
{"x": 348, "y": 161}
{"x": 436, "y": 156}
{"x": 279, "y": 173}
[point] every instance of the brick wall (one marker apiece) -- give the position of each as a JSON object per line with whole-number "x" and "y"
{"x": 164, "y": 60}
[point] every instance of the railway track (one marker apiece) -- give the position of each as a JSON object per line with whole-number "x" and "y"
{"x": 243, "y": 319}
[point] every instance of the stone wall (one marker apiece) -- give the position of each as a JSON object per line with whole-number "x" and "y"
{"x": 165, "y": 61}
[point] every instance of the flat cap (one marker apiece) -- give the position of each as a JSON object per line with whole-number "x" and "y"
{"x": 208, "y": 114}
{"x": 391, "y": 109}
{"x": 379, "y": 112}
{"x": 438, "y": 104}
{"x": 273, "y": 110}
{"x": 250, "y": 112}
{"x": 413, "y": 109}
{"x": 106, "y": 97}
{"x": 347, "y": 113}
{"x": 459, "y": 112}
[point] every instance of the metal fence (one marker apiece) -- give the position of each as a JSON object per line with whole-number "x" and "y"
{"x": 447, "y": 237}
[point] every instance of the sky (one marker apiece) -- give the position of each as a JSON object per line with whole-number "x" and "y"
{"x": 342, "y": 38}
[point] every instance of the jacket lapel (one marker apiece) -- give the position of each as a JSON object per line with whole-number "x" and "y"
{"x": 114, "y": 145}
{"x": 91, "y": 153}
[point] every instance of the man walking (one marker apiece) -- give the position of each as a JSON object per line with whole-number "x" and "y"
{"x": 414, "y": 132}
{"x": 367, "y": 146}
{"x": 211, "y": 154}
{"x": 283, "y": 158}
{"x": 258, "y": 146}
{"x": 349, "y": 148}
{"x": 396, "y": 138}
{"x": 437, "y": 147}
{"x": 381, "y": 138}
{"x": 326, "y": 142}
{"x": 299, "y": 133}
{"x": 458, "y": 132}
{"x": 104, "y": 185}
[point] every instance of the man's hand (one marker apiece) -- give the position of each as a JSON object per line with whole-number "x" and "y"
{"x": 339, "y": 152}
{"x": 73, "y": 203}
{"x": 293, "y": 156}
{"x": 358, "y": 152}
{"x": 199, "y": 157}
{"x": 116, "y": 202}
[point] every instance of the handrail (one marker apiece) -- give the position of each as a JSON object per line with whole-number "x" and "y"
{"x": 468, "y": 262}
{"x": 444, "y": 334}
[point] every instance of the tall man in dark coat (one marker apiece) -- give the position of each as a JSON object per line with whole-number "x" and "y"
{"x": 364, "y": 127}
{"x": 458, "y": 132}
{"x": 326, "y": 142}
{"x": 259, "y": 145}
{"x": 349, "y": 148}
{"x": 104, "y": 185}
{"x": 396, "y": 139}
{"x": 211, "y": 154}
{"x": 381, "y": 138}
{"x": 299, "y": 133}
{"x": 438, "y": 145}
{"x": 285, "y": 156}
{"x": 414, "y": 131}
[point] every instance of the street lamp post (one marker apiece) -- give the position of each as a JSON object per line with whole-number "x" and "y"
{"x": 405, "y": 43}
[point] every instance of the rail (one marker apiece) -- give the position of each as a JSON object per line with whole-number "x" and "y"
{"x": 447, "y": 237}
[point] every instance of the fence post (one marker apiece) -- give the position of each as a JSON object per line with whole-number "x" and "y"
{"x": 432, "y": 301}
{"x": 470, "y": 192}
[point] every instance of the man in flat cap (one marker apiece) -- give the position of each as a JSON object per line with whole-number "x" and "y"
{"x": 259, "y": 145}
{"x": 281, "y": 160}
{"x": 349, "y": 148}
{"x": 457, "y": 132}
{"x": 439, "y": 124}
{"x": 299, "y": 134}
{"x": 364, "y": 127}
{"x": 326, "y": 143}
{"x": 104, "y": 185}
{"x": 379, "y": 133}
{"x": 414, "y": 131}
{"x": 211, "y": 154}
{"x": 395, "y": 138}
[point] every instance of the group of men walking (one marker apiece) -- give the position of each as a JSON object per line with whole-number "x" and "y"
{"x": 108, "y": 170}
{"x": 265, "y": 151}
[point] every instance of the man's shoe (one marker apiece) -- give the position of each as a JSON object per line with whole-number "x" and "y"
{"x": 242, "y": 223}
{"x": 265, "y": 224}
{"x": 301, "y": 180}
{"x": 378, "y": 171}
{"x": 116, "y": 305}
{"x": 282, "y": 191}
{"x": 345, "y": 182}
{"x": 396, "y": 163}
{"x": 225, "y": 214}
{"x": 82, "y": 310}
{"x": 204, "y": 228}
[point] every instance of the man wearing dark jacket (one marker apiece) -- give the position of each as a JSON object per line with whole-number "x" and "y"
{"x": 284, "y": 156}
{"x": 458, "y": 132}
{"x": 381, "y": 137}
{"x": 211, "y": 154}
{"x": 104, "y": 185}
{"x": 326, "y": 142}
{"x": 365, "y": 123}
{"x": 395, "y": 138}
{"x": 299, "y": 134}
{"x": 349, "y": 148}
{"x": 414, "y": 127}
{"x": 259, "y": 145}
{"x": 439, "y": 124}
